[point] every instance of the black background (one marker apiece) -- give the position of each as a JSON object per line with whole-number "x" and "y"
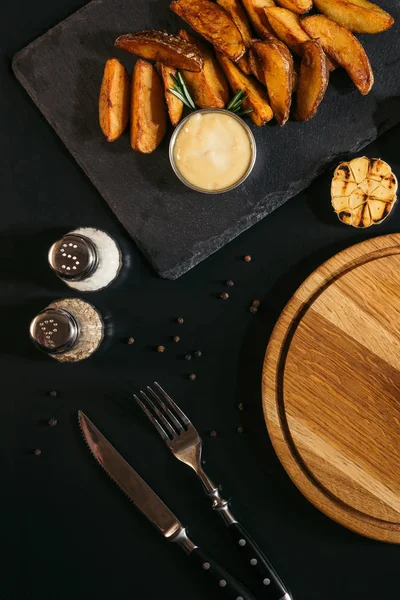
{"x": 67, "y": 530}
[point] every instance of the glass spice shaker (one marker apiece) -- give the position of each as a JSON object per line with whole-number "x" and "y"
{"x": 86, "y": 259}
{"x": 69, "y": 330}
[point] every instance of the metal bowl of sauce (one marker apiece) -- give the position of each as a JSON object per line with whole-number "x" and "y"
{"x": 212, "y": 151}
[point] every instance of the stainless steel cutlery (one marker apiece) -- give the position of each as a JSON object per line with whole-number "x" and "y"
{"x": 184, "y": 442}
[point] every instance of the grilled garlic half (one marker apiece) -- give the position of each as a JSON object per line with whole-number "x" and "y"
{"x": 363, "y": 191}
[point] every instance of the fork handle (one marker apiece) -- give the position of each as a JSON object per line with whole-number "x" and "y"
{"x": 228, "y": 586}
{"x": 257, "y": 560}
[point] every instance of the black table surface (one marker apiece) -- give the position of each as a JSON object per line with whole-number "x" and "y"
{"x": 68, "y": 531}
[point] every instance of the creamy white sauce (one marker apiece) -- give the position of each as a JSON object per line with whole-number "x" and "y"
{"x": 212, "y": 151}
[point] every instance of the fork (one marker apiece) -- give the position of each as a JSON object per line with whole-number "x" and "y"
{"x": 183, "y": 440}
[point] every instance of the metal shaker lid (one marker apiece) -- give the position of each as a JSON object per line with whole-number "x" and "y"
{"x": 54, "y": 330}
{"x": 74, "y": 257}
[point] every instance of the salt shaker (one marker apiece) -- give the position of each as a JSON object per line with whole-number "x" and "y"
{"x": 68, "y": 330}
{"x": 86, "y": 259}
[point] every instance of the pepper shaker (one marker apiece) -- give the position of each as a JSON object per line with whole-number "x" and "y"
{"x": 86, "y": 259}
{"x": 68, "y": 330}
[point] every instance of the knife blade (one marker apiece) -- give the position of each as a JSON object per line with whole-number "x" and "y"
{"x": 152, "y": 507}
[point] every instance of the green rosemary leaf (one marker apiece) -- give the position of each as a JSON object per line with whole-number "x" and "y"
{"x": 244, "y": 112}
{"x": 179, "y": 95}
{"x": 180, "y": 90}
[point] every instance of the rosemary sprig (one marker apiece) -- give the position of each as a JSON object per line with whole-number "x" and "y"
{"x": 235, "y": 105}
{"x": 180, "y": 90}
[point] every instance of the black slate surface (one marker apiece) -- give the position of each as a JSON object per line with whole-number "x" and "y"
{"x": 177, "y": 228}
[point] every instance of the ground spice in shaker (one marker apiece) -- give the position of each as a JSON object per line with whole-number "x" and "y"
{"x": 69, "y": 330}
{"x": 86, "y": 259}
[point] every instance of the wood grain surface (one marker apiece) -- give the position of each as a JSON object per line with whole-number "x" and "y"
{"x": 331, "y": 388}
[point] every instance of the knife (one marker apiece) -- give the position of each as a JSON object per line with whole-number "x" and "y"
{"x": 156, "y": 511}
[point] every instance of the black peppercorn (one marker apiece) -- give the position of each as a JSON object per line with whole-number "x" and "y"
{"x": 37, "y": 452}
{"x": 176, "y": 338}
{"x": 256, "y": 303}
{"x": 229, "y": 283}
{"x": 160, "y": 348}
{"x": 224, "y": 296}
{"x": 198, "y": 353}
{"x": 188, "y": 357}
{"x": 192, "y": 376}
{"x": 52, "y": 422}
{"x": 213, "y": 433}
{"x": 53, "y": 394}
{"x": 247, "y": 258}
{"x": 240, "y": 429}
{"x": 180, "y": 320}
{"x": 130, "y": 340}
{"x": 253, "y": 309}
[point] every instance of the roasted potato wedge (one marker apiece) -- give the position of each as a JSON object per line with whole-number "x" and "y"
{"x": 148, "y": 115}
{"x": 276, "y": 63}
{"x": 213, "y": 23}
{"x": 343, "y": 47}
{"x": 163, "y": 47}
{"x": 359, "y": 16}
{"x": 256, "y": 13}
{"x": 209, "y": 89}
{"x": 174, "y": 104}
{"x": 114, "y": 100}
{"x": 244, "y": 64}
{"x": 255, "y": 66}
{"x": 313, "y": 80}
{"x": 287, "y": 27}
{"x": 236, "y": 11}
{"x": 297, "y": 6}
{"x": 256, "y": 96}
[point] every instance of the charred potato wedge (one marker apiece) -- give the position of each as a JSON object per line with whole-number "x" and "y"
{"x": 358, "y": 16}
{"x": 256, "y": 99}
{"x": 313, "y": 80}
{"x": 287, "y": 27}
{"x": 213, "y": 23}
{"x": 174, "y": 104}
{"x": 343, "y": 47}
{"x": 209, "y": 89}
{"x": 297, "y": 6}
{"x": 235, "y": 10}
{"x": 256, "y": 12}
{"x": 162, "y": 47}
{"x": 276, "y": 64}
{"x": 114, "y": 100}
{"x": 148, "y": 115}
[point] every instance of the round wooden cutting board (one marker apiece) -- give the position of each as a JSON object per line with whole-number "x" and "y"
{"x": 331, "y": 388}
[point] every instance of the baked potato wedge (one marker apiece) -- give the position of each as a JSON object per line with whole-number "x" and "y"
{"x": 256, "y": 100}
{"x": 162, "y": 47}
{"x": 287, "y": 27}
{"x": 276, "y": 64}
{"x": 343, "y": 47}
{"x": 148, "y": 115}
{"x": 209, "y": 88}
{"x": 174, "y": 104}
{"x": 235, "y": 10}
{"x": 297, "y": 6}
{"x": 114, "y": 100}
{"x": 313, "y": 80}
{"x": 359, "y": 16}
{"x": 255, "y": 66}
{"x": 256, "y": 13}
{"x": 244, "y": 64}
{"x": 213, "y": 23}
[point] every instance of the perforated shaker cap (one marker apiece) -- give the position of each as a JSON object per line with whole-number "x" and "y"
{"x": 54, "y": 330}
{"x": 73, "y": 258}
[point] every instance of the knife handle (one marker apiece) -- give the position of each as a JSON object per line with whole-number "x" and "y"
{"x": 257, "y": 560}
{"x": 229, "y": 586}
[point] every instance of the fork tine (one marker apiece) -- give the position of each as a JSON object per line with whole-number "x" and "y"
{"x": 166, "y": 410}
{"x": 178, "y": 411}
{"x": 151, "y": 418}
{"x": 161, "y": 417}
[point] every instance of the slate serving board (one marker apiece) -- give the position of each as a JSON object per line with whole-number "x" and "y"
{"x": 177, "y": 228}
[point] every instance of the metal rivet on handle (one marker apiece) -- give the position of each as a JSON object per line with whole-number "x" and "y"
{"x": 253, "y": 562}
{"x": 206, "y": 566}
{"x": 222, "y": 583}
{"x": 242, "y": 542}
{"x": 266, "y": 581}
